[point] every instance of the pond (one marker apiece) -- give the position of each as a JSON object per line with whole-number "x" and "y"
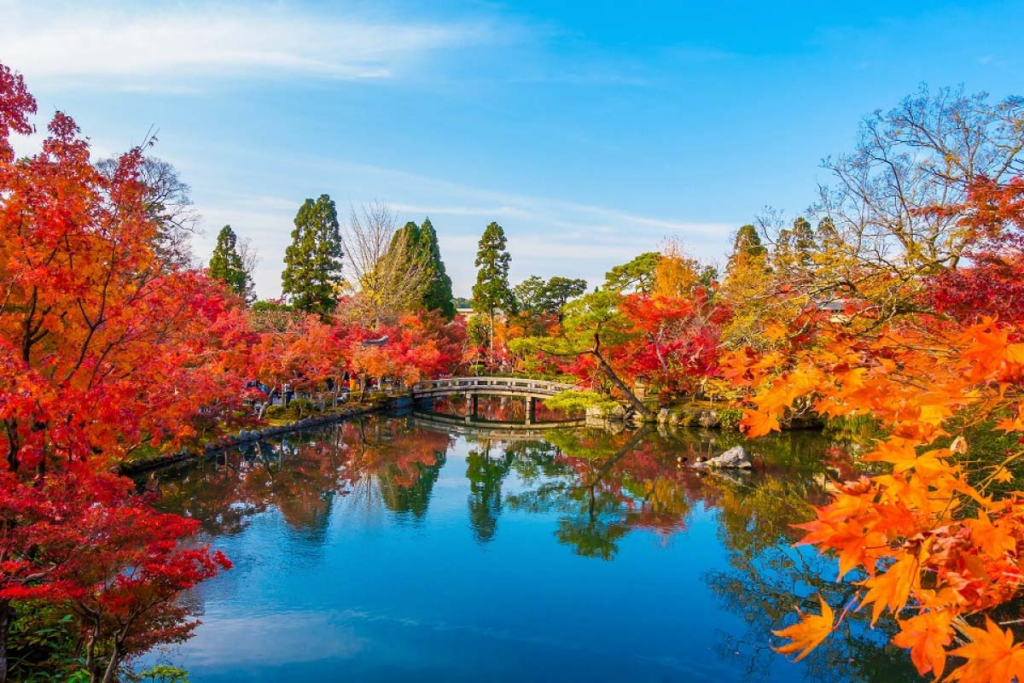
{"x": 395, "y": 549}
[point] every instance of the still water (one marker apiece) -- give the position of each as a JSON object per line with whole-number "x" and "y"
{"x": 394, "y": 549}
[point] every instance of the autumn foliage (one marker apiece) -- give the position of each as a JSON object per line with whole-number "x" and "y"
{"x": 108, "y": 350}
{"x": 935, "y": 539}
{"x": 104, "y": 351}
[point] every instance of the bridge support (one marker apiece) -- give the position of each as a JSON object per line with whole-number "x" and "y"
{"x": 471, "y": 407}
{"x": 531, "y": 410}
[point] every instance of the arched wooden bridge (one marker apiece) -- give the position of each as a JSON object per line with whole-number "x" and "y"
{"x": 490, "y": 386}
{"x": 531, "y": 390}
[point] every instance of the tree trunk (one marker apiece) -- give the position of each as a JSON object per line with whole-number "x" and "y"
{"x": 111, "y": 670}
{"x": 492, "y": 335}
{"x": 633, "y": 442}
{"x": 5, "y": 623}
{"x": 630, "y": 396}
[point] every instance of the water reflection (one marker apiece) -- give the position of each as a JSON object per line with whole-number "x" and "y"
{"x": 505, "y": 409}
{"x": 362, "y": 528}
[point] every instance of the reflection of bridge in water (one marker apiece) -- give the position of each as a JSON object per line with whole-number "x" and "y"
{"x": 485, "y": 429}
{"x": 531, "y": 390}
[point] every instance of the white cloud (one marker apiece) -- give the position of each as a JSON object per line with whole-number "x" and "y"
{"x": 168, "y": 48}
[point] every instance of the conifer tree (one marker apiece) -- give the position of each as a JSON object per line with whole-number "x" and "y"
{"x": 227, "y": 266}
{"x": 312, "y": 271}
{"x": 438, "y": 295}
{"x": 491, "y": 292}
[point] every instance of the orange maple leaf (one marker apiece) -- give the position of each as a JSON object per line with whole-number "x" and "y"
{"x": 927, "y": 636}
{"x": 991, "y": 656}
{"x": 806, "y": 634}
{"x": 759, "y": 423}
{"x": 892, "y": 588}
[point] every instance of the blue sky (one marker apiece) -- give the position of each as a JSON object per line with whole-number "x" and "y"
{"x": 590, "y": 131}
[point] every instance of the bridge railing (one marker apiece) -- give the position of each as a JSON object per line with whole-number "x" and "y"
{"x": 513, "y": 384}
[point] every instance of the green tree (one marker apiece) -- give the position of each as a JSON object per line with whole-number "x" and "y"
{"x": 417, "y": 247}
{"x": 534, "y": 296}
{"x": 438, "y": 296}
{"x": 312, "y": 270}
{"x": 561, "y": 290}
{"x": 226, "y": 264}
{"x": 491, "y": 292}
{"x": 638, "y": 275}
{"x": 795, "y": 247}
{"x": 746, "y": 246}
{"x": 529, "y": 295}
{"x": 593, "y": 326}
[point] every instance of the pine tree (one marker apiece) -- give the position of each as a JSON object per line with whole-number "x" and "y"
{"x": 530, "y": 295}
{"x": 794, "y": 248}
{"x": 312, "y": 270}
{"x": 491, "y": 292}
{"x": 559, "y": 291}
{"x": 438, "y": 295}
{"x": 747, "y": 243}
{"x": 227, "y": 266}
{"x": 421, "y": 255}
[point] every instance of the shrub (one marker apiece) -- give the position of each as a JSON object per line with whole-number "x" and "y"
{"x": 301, "y": 408}
{"x": 729, "y": 418}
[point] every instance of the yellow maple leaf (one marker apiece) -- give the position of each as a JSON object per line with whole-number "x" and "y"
{"x": 935, "y": 414}
{"x": 806, "y": 634}
{"x": 1015, "y": 354}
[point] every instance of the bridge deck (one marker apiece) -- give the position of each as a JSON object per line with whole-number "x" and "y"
{"x": 499, "y": 386}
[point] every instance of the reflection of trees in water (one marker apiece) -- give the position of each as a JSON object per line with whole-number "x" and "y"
{"x": 607, "y": 485}
{"x": 765, "y": 587}
{"x": 393, "y": 464}
{"x": 497, "y": 408}
{"x": 768, "y": 578}
{"x": 486, "y": 467}
{"x": 603, "y": 486}
{"x": 599, "y": 487}
{"x": 378, "y": 462}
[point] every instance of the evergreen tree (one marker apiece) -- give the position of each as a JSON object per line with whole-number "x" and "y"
{"x": 559, "y": 291}
{"x": 226, "y": 264}
{"x": 747, "y": 242}
{"x": 636, "y": 276}
{"x": 795, "y": 247}
{"x": 529, "y": 295}
{"x": 312, "y": 270}
{"x": 491, "y": 292}
{"x": 438, "y": 295}
{"x": 826, "y": 236}
{"x": 421, "y": 249}
{"x": 803, "y": 236}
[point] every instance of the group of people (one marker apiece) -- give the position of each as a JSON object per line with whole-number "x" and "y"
{"x": 340, "y": 390}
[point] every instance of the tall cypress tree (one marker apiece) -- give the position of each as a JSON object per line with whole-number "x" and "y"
{"x": 423, "y": 248}
{"x": 312, "y": 270}
{"x": 226, "y": 263}
{"x": 438, "y": 295}
{"x": 491, "y": 292}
